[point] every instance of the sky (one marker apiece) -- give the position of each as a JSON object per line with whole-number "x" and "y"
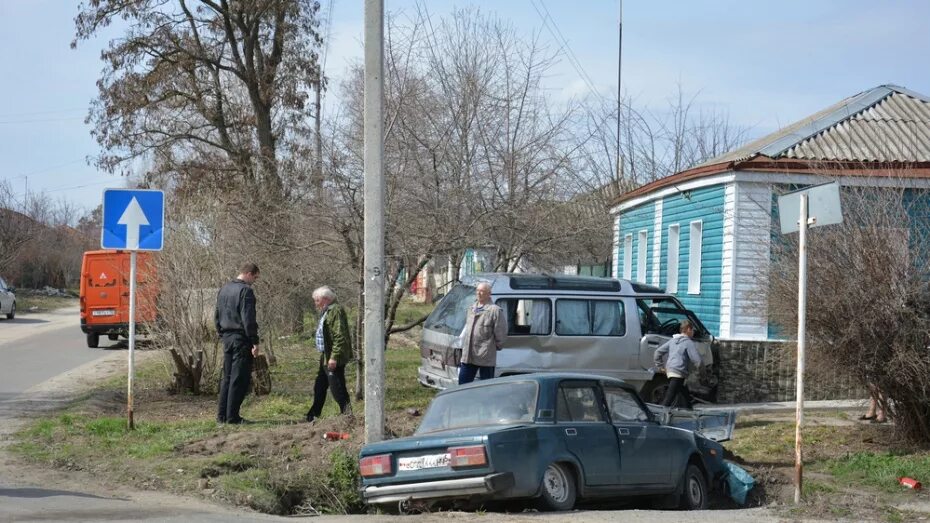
{"x": 767, "y": 63}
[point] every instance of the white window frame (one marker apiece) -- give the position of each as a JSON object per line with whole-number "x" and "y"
{"x": 628, "y": 257}
{"x": 674, "y": 235}
{"x": 642, "y": 240}
{"x": 695, "y": 239}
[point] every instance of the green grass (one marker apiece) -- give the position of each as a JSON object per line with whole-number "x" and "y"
{"x": 878, "y": 470}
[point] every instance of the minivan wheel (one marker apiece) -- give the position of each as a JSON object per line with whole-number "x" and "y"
{"x": 654, "y": 391}
{"x": 12, "y": 314}
{"x": 558, "y": 488}
{"x": 93, "y": 340}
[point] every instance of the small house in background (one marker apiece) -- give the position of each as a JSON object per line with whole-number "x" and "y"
{"x": 705, "y": 234}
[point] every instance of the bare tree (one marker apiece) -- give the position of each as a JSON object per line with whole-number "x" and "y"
{"x": 868, "y": 309}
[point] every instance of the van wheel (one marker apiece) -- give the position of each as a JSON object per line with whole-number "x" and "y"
{"x": 93, "y": 340}
{"x": 113, "y": 337}
{"x": 654, "y": 391}
{"x": 12, "y": 314}
{"x": 558, "y": 488}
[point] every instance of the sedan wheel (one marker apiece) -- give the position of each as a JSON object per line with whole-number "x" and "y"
{"x": 694, "y": 493}
{"x": 558, "y": 488}
{"x": 12, "y": 313}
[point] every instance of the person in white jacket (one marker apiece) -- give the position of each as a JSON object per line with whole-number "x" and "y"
{"x": 676, "y": 356}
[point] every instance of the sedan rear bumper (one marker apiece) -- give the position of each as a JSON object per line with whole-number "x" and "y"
{"x": 450, "y": 488}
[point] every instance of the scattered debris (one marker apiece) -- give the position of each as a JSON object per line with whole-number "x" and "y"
{"x": 336, "y": 436}
{"x": 910, "y": 483}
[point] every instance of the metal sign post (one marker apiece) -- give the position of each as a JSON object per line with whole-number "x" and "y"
{"x": 802, "y": 336}
{"x": 132, "y": 336}
{"x": 133, "y": 220}
{"x": 825, "y": 201}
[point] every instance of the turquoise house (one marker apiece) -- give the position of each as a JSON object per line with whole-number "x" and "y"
{"x": 705, "y": 234}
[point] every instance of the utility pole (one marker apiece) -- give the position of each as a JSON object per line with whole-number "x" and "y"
{"x": 374, "y": 221}
{"x": 619, "y": 102}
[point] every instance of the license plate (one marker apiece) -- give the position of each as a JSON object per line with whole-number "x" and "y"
{"x": 107, "y": 312}
{"x": 423, "y": 462}
{"x": 435, "y": 360}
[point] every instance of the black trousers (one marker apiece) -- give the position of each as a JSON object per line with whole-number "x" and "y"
{"x": 237, "y": 373}
{"x": 677, "y": 390}
{"x": 334, "y": 380}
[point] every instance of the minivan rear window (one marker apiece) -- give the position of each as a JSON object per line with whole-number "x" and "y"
{"x": 449, "y": 315}
{"x": 589, "y": 318}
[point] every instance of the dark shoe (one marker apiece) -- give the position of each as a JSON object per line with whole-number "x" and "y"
{"x": 866, "y": 418}
{"x": 876, "y": 420}
{"x": 310, "y": 418}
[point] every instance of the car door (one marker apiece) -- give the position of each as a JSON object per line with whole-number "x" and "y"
{"x": 6, "y": 298}
{"x": 645, "y": 445}
{"x": 583, "y": 424}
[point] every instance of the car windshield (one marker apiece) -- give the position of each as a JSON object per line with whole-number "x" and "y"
{"x": 497, "y": 404}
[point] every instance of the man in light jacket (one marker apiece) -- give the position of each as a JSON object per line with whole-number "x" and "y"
{"x": 676, "y": 356}
{"x": 484, "y": 333}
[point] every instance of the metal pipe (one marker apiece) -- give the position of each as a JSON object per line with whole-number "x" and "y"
{"x": 802, "y": 334}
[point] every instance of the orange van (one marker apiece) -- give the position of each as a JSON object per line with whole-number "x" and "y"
{"x": 105, "y": 294}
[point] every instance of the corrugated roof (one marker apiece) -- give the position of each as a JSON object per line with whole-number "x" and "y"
{"x": 886, "y": 124}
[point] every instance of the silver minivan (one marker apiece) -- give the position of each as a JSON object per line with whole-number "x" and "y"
{"x": 562, "y": 323}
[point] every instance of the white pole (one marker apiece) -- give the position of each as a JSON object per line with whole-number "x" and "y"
{"x": 132, "y": 334}
{"x": 374, "y": 221}
{"x": 802, "y": 332}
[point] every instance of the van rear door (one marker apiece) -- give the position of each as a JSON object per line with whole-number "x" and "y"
{"x": 104, "y": 300}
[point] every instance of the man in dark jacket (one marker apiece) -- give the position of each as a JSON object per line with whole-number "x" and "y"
{"x": 237, "y": 326}
{"x": 335, "y": 348}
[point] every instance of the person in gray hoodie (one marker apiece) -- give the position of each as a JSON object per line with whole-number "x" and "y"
{"x": 676, "y": 356}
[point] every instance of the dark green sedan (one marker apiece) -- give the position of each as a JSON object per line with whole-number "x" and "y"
{"x": 556, "y": 438}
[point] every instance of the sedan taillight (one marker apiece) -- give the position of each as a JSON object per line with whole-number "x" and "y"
{"x": 467, "y": 456}
{"x": 379, "y": 465}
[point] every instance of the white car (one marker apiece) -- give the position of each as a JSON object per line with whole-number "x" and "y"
{"x": 7, "y": 300}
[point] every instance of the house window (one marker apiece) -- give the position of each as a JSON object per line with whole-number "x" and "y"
{"x": 628, "y": 257}
{"x": 641, "y": 256}
{"x": 694, "y": 258}
{"x": 672, "y": 262}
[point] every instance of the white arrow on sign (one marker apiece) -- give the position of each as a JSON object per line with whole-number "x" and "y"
{"x": 133, "y": 218}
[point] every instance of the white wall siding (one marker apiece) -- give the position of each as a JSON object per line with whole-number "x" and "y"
{"x": 730, "y": 216}
{"x": 616, "y": 265}
{"x": 657, "y": 245}
{"x": 751, "y": 259}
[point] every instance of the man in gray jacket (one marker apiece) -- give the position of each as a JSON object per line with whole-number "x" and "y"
{"x": 676, "y": 356}
{"x": 484, "y": 333}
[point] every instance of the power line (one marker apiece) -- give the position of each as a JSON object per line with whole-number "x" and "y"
{"x": 560, "y": 39}
{"x": 33, "y": 113}
{"x": 47, "y": 169}
{"x": 42, "y": 120}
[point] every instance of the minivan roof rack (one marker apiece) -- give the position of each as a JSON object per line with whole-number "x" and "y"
{"x": 562, "y": 283}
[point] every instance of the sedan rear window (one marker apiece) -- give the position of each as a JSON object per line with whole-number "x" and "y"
{"x": 497, "y": 404}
